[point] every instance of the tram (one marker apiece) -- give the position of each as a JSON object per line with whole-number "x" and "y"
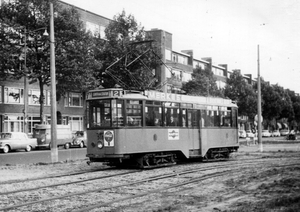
{"x": 149, "y": 128}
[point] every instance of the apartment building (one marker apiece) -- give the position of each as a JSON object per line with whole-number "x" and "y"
{"x": 70, "y": 108}
{"x": 179, "y": 65}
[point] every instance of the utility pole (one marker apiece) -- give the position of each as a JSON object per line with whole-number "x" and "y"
{"x": 259, "y": 102}
{"x": 25, "y": 85}
{"x": 54, "y": 150}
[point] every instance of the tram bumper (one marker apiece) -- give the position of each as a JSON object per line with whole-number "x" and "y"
{"x": 106, "y": 157}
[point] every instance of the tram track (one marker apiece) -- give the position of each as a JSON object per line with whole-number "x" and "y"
{"x": 132, "y": 183}
{"x": 102, "y": 177}
{"x": 45, "y": 177}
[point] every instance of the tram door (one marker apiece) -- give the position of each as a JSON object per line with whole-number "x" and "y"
{"x": 201, "y": 123}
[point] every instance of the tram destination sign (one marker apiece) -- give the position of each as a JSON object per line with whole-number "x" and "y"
{"x": 163, "y": 96}
{"x": 105, "y": 94}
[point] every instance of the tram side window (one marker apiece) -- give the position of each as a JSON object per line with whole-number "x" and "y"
{"x": 234, "y": 117}
{"x": 99, "y": 113}
{"x": 186, "y": 115}
{"x": 153, "y": 113}
{"x": 226, "y": 117}
{"x": 117, "y": 113}
{"x": 189, "y": 118}
{"x": 134, "y": 112}
{"x": 212, "y": 118}
{"x": 203, "y": 118}
{"x": 195, "y": 118}
{"x": 171, "y": 117}
{"x": 184, "y": 118}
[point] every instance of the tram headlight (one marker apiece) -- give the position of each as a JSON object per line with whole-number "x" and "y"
{"x": 100, "y": 144}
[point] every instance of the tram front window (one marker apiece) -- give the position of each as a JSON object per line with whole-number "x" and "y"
{"x": 117, "y": 114}
{"x": 105, "y": 113}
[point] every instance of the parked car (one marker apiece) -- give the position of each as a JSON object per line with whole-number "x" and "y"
{"x": 42, "y": 133}
{"x": 291, "y": 137}
{"x": 16, "y": 140}
{"x": 284, "y": 132}
{"x": 79, "y": 139}
{"x": 275, "y": 133}
{"x": 265, "y": 133}
{"x": 249, "y": 134}
{"x": 242, "y": 134}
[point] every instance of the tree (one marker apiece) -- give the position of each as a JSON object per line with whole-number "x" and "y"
{"x": 286, "y": 111}
{"x": 75, "y": 48}
{"x": 128, "y": 55}
{"x": 271, "y": 104}
{"x": 243, "y": 93}
{"x": 203, "y": 83}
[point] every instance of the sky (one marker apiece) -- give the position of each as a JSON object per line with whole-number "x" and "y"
{"x": 239, "y": 33}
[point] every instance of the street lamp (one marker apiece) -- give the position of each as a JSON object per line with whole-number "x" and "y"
{"x": 25, "y": 111}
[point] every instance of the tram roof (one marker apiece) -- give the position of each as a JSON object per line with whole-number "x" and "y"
{"x": 118, "y": 93}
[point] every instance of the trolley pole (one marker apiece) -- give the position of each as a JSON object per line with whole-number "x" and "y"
{"x": 54, "y": 151}
{"x": 259, "y": 102}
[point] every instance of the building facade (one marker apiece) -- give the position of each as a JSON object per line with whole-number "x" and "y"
{"x": 70, "y": 108}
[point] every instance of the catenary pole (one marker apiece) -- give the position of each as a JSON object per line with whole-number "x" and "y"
{"x": 259, "y": 102}
{"x": 54, "y": 150}
{"x": 25, "y": 84}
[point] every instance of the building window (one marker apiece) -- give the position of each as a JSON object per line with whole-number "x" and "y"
{"x": 13, "y": 95}
{"x": 76, "y": 123}
{"x": 197, "y": 64}
{"x": 168, "y": 70}
{"x": 186, "y": 77}
{"x": 182, "y": 59}
{"x": 168, "y": 54}
{"x": 34, "y": 97}
{"x": 74, "y": 100}
{"x": 32, "y": 121}
{"x": 102, "y": 32}
{"x": 174, "y": 57}
{"x": 13, "y": 123}
{"x": 93, "y": 28}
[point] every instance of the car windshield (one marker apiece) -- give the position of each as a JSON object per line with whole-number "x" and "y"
{"x": 78, "y": 133}
{"x": 5, "y": 135}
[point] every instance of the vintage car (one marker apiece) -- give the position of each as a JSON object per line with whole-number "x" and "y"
{"x": 249, "y": 134}
{"x": 79, "y": 139}
{"x": 265, "y": 133}
{"x": 16, "y": 140}
{"x": 242, "y": 134}
{"x": 275, "y": 133}
{"x": 284, "y": 132}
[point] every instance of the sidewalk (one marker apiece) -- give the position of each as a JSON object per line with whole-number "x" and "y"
{"x": 271, "y": 147}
